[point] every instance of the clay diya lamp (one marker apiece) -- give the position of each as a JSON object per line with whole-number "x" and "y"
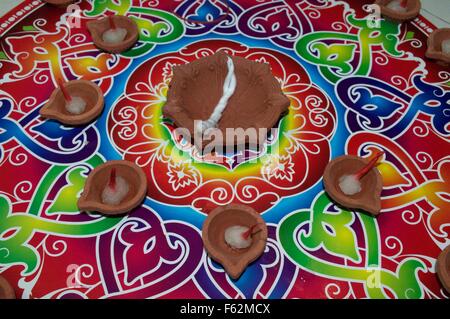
{"x": 439, "y": 45}
{"x": 399, "y": 10}
{"x": 6, "y": 290}
{"x": 114, "y": 34}
{"x": 74, "y": 103}
{"x": 213, "y": 90}
{"x": 59, "y": 3}
{"x": 443, "y": 268}
{"x": 216, "y": 232}
{"x": 114, "y": 188}
{"x": 345, "y": 173}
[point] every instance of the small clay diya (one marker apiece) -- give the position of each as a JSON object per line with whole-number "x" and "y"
{"x": 60, "y": 3}
{"x": 220, "y": 231}
{"x": 399, "y": 10}
{"x": 114, "y": 34}
{"x": 219, "y": 92}
{"x": 64, "y": 103}
{"x": 114, "y": 188}
{"x": 439, "y": 45}
{"x": 443, "y": 268}
{"x": 6, "y": 290}
{"x": 351, "y": 191}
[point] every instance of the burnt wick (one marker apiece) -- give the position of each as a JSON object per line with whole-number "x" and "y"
{"x": 112, "y": 24}
{"x": 112, "y": 179}
{"x": 249, "y": 232}
{"x": 350, "y": 184}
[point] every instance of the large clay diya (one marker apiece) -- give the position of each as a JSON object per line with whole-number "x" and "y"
{"x": 114, "y": 34}
{"x": 78, "y": 91}
{"x": 439, "y": 45}
{"x": 234, "y": 236}
{"x": 6, "y": 290}
{"x": 399, "y": 10}
{"x": 60, "y": 3}
{"x": 443, "y": 268}
{"x": 339, "y": 179}
{"x": 114, "y": 188}
{"x": 221, "y": 91}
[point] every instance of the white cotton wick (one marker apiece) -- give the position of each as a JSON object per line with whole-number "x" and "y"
{"x": 234, "y": 238}
{"x": 76, "y": 105}
{"x": 446, "y": 46}
{"x": 349, "y": 184}
{"x": 396, "y": 5}
{"x": 114, "y": 36}
{"x": 229, "y": 86}
{"x": 114, "y": 195}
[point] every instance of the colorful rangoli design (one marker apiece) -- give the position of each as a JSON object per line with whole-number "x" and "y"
{"x": 353, "y": 89}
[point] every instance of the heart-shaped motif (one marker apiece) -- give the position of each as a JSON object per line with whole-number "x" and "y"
{"x": 147, "y": 257}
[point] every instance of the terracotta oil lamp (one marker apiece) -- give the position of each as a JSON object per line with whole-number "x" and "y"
{"x": 6, "y": 290}
{"x": 223, "y": 84}
{"x": 108, "y": 175}
{"x": 443, "y": 268}
{"x": 219, "y": 222}
{"x": 87, "y": 91}
{"x": 59, "y": 3}
{"x": 368, "y": 177}
{"x": 399, "y": 10}
{"x": 439, "y": 45}
{"x": 110, "y": 25}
